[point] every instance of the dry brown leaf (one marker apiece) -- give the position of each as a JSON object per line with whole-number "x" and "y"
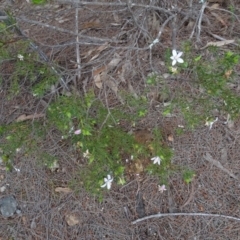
{"x": 98, "y": 75}
{"x": 71, "y": 219}
{"x": 218, "y": 17}
{"x": 216, "y": 1}
{"x": 113, "y": 63}
{"x": 218, "y": 43}
{"x": 230, "y": 124}
{"x": 214, "y": 6}
{"x": 122, "y": 72}
{"x": 63, "y": 190}
{"x": 228, "y": 73}
{"x": 170, "y": 138}
{"x": 25, "y": 117}
{"x": 132, "y": 91}
{"x": 99, "y": 50}
{"x": 97, "y": 71}
{"x": 112, "y": 85}
{"x": 88, "y": 53}
{"x": 24, "y": 219}
{"x": 91, "y": 24}
{"x": 98, "y": 81}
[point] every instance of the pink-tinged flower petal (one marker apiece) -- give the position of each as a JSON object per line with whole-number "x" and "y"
{"x": 77, "y": 132}
{"x": 161, "y": 188}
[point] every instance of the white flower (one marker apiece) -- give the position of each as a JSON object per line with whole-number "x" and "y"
{"x": 156, "y": 160}
{"x": 210, "y": 123}
{"x": 108, "y": 182}
{"x": 161, "y": 188}
{"x": 20, "y": 57}
{"x": 176, "y": 57}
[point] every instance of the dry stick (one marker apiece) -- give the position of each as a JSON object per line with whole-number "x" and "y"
{"x": 129, "y": 4}
{"x": 184, "y": 214}
{"x": 67, "y": 31}
{"x": 200, "y": 20}
{"x": 174, "y": 32}
{"x": 163, "y": 26}
{"x": 77, "y": 48}
{"x": 42, "y": 55}
{"x": 158, "y": 37}
{"x": 190, "y": 197}
{"x": 135, "y": 21}
{"x": 224, "y": 10}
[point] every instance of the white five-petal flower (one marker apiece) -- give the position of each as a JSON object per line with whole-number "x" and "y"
{"x": 108, "y": 182}
{"x": 161, "y": 188}
{"x": 20, "y": 57}
{"x": 156, "y": 160}
{"x": 176, "y": 57}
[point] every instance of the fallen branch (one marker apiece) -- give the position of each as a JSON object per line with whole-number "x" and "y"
{"x": 184, "y": 214}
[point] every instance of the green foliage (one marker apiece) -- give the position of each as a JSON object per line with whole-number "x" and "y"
{"x": 16, "y": 135}
{"x": 39, "y": 2}
{"x": 16, "y": 54}
{"x": 216, "y": 81}
{"x": 102, "y": 142}
{"x": 188, "y": 176}
{"x": 19, "y": 137}
{"x": 100, "y": 136}
{"x": 210, "y": 87}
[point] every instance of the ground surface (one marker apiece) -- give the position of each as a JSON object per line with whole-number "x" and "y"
{"x": 112, "y": 30}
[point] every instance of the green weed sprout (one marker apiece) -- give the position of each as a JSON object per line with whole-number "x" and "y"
{"x": 188, "y": 176}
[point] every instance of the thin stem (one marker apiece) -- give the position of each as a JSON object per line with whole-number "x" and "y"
{"x": 184, "y": 214}
{"x": 200, "y": 20}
